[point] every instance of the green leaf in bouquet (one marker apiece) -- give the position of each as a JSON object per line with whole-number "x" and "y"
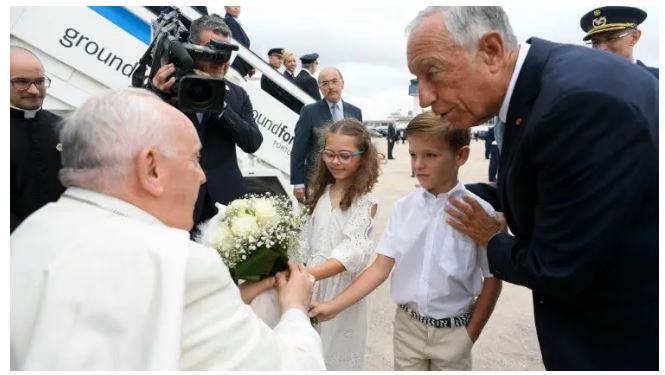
{"x": 262, "y": 263}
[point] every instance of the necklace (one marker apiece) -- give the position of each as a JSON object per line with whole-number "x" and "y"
{"x": 93, "y": 204}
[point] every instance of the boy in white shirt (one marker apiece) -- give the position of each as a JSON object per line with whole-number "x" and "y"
{"x": 441, "y": 281}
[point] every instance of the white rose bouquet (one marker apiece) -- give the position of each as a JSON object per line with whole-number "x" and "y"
{"x": 254, "y": 235}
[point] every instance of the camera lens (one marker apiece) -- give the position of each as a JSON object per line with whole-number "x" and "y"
{"x": 200, "y": 94}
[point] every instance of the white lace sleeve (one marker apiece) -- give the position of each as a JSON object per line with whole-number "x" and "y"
{"x": 355, "y": 250}
{"x": 303, "y": 249}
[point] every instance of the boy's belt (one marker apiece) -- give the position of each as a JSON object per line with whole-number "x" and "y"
{"x": 461, "y": 320}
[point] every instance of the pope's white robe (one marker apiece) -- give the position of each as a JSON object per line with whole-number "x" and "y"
{"x": 99, "y": 284}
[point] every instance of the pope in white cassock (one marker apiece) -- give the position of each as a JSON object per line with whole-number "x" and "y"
{"x": 106, "y": 278}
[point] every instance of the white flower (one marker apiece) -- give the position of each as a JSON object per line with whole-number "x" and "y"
{"x": 265, "y": 211}
{"x": 244, "y": 225}
{"x": 223, "y": 239}
{"x": 239, "y": 204}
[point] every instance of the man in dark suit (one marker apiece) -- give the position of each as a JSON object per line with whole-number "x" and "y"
{"x": 305, "y": 79}
{"x": 578, "y": 179}
{"x": 275, "y": 60}
{"x": 220, "y": 133}
{"x": 34, "y": 147}
{"x": 238, "y": 33}
{"x": 306, "y": 145}
{"x": 493, "y": 150}
{"x": 614, "y": 29}
{"x": 391, "y": 137}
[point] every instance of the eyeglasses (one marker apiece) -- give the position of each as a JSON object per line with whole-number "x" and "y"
{"x": 344, "y": 156}
{"x": 22, "y": 84}
{"x": 598, "y": 40}
{"x": 331, "y": 82}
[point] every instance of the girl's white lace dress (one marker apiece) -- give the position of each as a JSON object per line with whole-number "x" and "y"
{"x": 344, "y": 236}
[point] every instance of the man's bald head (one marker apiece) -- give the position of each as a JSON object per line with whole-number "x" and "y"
{"x": 25, "y": 67}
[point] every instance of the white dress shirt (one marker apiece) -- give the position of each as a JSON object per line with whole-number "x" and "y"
{"x": 99, "y": 284}
{"x": 521, "y": 56}
{"x": 438, "y": 270}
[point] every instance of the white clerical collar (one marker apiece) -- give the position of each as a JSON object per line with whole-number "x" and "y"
{"x": 521, "y": 56}
{"x": 27, "y": 113}
{"x": 110, "y": 203}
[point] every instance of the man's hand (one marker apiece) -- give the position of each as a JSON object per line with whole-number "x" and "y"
{"x": 299, "y": 193}
{"x": 297, "y": 291}
{"x": 250, "y": 289}
{"x": 161, "y": 80}
{"x": 468, "y": 217}
{"x": 323, "y": 311}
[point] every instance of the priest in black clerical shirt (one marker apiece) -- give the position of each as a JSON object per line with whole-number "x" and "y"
{"x": 35, "y": 151}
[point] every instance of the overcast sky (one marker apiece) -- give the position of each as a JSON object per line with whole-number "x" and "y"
{"x": 368, "y": 43}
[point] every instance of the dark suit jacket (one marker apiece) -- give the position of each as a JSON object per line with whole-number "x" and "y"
{"x": 578, "y": 184}
{"x": 275, "y": 91}
{"x": 306, "y": 146}
{"x": 237, "y": 32}
{"x": 392, "y": 133}
{"x": 294, "y": 104}
{"x": 219, "y": 137}
{"x": 308, "y": 84}
{"x": 649, "y": 69}
{"x": 34, "y": 163}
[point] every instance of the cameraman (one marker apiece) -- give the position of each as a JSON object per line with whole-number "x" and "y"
{"x": 219, "y": 132}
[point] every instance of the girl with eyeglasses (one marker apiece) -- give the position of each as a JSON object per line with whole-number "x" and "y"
{"x": 335, "y": 242}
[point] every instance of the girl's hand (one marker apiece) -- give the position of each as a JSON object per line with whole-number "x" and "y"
{"x": 322, "y": 311}
{"x": 250, "y": 289}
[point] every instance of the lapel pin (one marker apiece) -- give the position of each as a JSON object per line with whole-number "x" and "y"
{"x": 59, "y": 147}
{"x": 518, "y": 121}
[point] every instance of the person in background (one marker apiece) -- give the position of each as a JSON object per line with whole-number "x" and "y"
{"x": 614, "y": 29}
{"x": 275, "y": 61}
{"x": 220, "y": 133}
{"x": 33, "y": 132}
{"x": 305, "y": 79}
{"x": 232, "y": 20}
{"x": 290, "y": 65}
{"x": 306, "y": 145}
{"x": 391, "y": 137}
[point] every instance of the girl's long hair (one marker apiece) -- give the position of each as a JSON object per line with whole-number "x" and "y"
{"x": 363, "y": 179}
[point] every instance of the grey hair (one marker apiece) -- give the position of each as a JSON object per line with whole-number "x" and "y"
{"x": 103, "y": 136}
{"x": 466, "y": 24}
{"x": 338, "y": 72}
{"x": 214, "y": 23}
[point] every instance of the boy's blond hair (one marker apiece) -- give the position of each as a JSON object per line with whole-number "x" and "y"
{"x": 429, "y": 123}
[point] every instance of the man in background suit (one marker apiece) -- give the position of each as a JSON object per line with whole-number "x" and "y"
{"x": 306, "y": 145}
{"x": 578, "y": 179}
{"x": 34, "y": 146}
{"x": 614, "y": 29}
{"x": 238, "y": 33}
{"x": 391, "y": 137}
{"x": 305, "y": 79}
{"x": 220, "y": 133}
{"x": 275, "y": 61}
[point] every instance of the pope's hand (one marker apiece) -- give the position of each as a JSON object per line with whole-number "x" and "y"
{"x": 295, "y": 292}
